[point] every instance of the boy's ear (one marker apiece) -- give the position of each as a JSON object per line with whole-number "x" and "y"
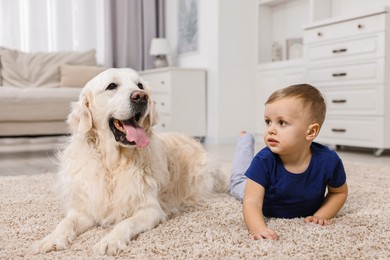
{"x": 312, "y": 131}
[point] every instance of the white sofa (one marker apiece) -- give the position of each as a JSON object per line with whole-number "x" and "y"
{"x": 36, "y": 89}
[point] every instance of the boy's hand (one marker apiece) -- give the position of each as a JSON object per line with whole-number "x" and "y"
{"x": 266, "y": 233}
{"x": 317, "y": 220}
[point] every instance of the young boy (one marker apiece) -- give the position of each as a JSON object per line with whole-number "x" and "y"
{"x": 289, "y": 177}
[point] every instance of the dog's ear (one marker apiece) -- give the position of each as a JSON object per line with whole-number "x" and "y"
{"x": 152, "y": 117}
{"x": 80, "y": 119}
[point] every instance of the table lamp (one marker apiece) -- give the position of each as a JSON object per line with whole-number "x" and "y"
{"x": 159, "y": 47}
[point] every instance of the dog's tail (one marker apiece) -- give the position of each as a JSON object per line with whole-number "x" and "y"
{"x": 221, "y": 172}
{"x": 210, "y": 177}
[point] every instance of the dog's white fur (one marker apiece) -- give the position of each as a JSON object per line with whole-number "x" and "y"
{"x": 106, "y": 183}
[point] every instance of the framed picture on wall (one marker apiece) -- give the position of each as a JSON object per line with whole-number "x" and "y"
{"x": 294, "y": 48}
{"x": 188, "y": 26}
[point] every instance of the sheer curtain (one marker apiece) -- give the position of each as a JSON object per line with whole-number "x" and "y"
{"x": 119, "y": 30}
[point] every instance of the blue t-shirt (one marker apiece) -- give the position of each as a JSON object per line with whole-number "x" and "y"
{"x": 289, "y": 195}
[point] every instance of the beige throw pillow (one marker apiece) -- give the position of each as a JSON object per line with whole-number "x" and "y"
{"x": 40, "y": 69}
{"x": 78, "y": 75}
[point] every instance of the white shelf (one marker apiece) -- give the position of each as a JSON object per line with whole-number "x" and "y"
{"x": 279, "y": 20}
{"x": 280, "y": 64}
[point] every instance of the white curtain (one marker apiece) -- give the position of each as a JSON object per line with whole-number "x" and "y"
{"x": 57, "y": 25}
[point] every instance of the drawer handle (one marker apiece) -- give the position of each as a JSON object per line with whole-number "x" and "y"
{"x": 339, "y": 130}
{"x": 339, "y": 50}
{"x": 163, "y": 125}
{"x": 339, "y": 101}
{"x": 162, "y": 103}
{"x": 342, "y": 74}
{"x": 360, "y": 26}
{"x": 162, "y": 82}
{"x": 319, "y": 34}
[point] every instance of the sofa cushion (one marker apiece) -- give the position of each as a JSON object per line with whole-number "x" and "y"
{"x": 78, "y": 75}
{"x": 1, "y": 77}
{"x": 38, "y": 128}
{"x": 36, "y": 104}
{"x": 40, "y": 69}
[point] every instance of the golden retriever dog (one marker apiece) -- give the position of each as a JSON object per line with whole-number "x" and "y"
{"x": 115, "y": 170}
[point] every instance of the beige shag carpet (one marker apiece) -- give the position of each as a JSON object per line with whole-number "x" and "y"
{"x": 29, "y": 210}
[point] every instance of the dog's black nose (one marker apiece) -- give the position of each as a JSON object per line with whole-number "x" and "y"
{"x": 139, "y": 97}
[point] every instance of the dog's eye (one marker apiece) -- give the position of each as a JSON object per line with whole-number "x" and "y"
{"x": 140, "y": 85}
{"x": 112, "y": 86}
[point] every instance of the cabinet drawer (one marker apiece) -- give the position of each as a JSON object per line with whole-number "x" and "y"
{"x": 359, "y": 73}
{"x": 350, "y": 100}
{"x": 159, "y": 82}
{"x": 369, "y": 24}
{"x": 370, "y": 47}
{"x": 162, "y": 103}
{"x": 163, "y": 123}
{"x": 354, "y": 131}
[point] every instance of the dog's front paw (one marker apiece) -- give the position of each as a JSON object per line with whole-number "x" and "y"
{"x": 111, "y": 245}
{"x": 50, "y": 243}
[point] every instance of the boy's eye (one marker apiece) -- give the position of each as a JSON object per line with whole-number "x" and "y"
{"x": 282, "y": 123}
{"x": 267, "y": 121}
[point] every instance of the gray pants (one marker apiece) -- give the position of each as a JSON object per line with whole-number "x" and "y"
{"x": 242, "y": 158}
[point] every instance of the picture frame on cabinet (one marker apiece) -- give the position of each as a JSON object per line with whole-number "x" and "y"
{"x": 294, "y": 48}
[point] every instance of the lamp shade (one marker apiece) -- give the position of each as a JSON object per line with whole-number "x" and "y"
{"x": 159, "y": 46}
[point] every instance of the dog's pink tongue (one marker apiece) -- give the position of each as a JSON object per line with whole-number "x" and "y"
{"x": 137, "y": 135}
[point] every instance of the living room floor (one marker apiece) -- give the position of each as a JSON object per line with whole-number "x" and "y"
{"x": 26, "y": 156}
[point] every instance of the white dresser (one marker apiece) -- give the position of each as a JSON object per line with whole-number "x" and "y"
{"x": 180, "y": 98}
{"x": 348, "y": 60}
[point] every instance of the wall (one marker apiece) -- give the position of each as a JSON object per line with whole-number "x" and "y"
{"x": 236, "y": 67}
{"x": 226, "y": 48}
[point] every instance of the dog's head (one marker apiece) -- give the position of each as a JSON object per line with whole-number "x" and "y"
{"x": 117, "y": 105}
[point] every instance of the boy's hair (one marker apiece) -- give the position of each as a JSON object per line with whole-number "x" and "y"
{"x": 310, "y": 96}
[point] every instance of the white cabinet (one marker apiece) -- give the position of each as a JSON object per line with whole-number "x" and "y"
{"x": 348, "y": 60}
{"x": 180, "y": 99}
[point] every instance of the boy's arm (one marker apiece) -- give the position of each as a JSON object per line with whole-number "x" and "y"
{"x": 333, "y": 202}
{"x": 253, "y": 213}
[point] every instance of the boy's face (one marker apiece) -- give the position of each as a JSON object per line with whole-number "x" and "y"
{"x": 286, "y": 126}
